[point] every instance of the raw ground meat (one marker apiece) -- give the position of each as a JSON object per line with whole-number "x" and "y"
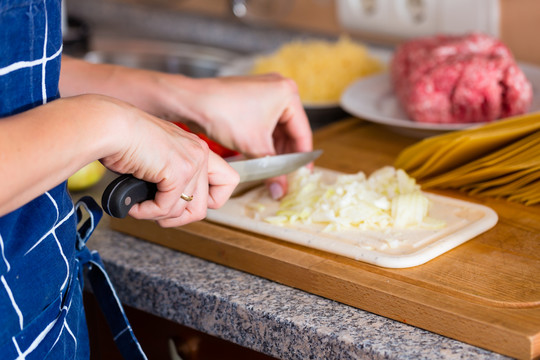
{"x": 459, "y": 79}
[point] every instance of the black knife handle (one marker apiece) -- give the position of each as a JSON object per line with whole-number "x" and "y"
{"x": 124, "y": 192}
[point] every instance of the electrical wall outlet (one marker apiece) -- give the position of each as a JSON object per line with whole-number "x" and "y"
{"x": 413, "y": 18}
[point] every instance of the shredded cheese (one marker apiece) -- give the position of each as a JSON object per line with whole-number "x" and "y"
{"x": 321, "y": 69}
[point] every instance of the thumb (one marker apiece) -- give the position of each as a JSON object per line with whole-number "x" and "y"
{"x": 277, "y": 186}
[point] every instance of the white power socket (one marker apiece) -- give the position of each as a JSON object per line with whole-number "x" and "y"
{"x": 413, "y": 18}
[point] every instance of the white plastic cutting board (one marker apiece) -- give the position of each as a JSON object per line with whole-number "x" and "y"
{"x": 389, "y": 248}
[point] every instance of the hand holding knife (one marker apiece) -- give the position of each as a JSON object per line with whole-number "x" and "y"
{"x": 126, "y": 190}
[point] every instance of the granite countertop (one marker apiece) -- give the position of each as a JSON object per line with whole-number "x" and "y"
{"x": 257, "y": 313}
{"x": 248, "y": 310}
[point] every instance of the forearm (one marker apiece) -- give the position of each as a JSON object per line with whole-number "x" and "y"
{"x": 151, "y": 91}
{"x": 256, "y": 115}
{"x": 42, "y": 147}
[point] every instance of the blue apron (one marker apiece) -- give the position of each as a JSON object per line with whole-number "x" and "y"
{"x": 42, "y": 253}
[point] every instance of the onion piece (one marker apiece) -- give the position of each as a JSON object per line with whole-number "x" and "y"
{"x": 388, "y": 198}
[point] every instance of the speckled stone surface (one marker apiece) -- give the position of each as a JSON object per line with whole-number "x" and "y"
{"x": 248, "y": 310}
{"x": 257, "y": 313}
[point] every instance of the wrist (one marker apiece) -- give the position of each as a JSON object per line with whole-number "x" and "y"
{"x": 44, "y": 146}
{"x": 182, "y": 98}
{"x": 99, "y": 125}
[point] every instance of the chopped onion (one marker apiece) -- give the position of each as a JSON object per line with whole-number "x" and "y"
{"x": 388, "y": 198}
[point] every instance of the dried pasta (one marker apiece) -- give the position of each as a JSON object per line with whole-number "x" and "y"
{"x": 501, "y": 159}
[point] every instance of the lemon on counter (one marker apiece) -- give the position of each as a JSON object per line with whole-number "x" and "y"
{"x": 86, "y": 177}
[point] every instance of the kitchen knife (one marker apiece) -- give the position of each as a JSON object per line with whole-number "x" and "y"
{"x": 126, "y": 190}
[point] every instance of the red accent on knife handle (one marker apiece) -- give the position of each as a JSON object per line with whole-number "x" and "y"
{"x": 219, "y": 149}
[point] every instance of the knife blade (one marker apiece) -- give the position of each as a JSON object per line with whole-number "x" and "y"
{"x": 126, "y": 190}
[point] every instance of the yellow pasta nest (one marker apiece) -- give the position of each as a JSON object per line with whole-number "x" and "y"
{"x": 322, "y": 69}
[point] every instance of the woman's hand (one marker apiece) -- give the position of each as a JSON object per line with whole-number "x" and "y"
{"x": 178, "y": 162}
{"x": 256, "y": 115}
{"x": 44, "y": 146}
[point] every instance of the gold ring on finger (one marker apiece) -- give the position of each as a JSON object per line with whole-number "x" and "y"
{"x": 186, "y": 197}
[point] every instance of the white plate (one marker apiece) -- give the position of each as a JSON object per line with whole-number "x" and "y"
{"x": 372, "y": 98}
{"x": 243, "y": 65}
{"x": 390, "y": 248}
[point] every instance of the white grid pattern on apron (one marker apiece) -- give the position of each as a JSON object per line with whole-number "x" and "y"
{"x": 42, "y": 62}
{"x": 38, "y": 62}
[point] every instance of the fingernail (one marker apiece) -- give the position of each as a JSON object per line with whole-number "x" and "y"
{"x": 276, "y": 191}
